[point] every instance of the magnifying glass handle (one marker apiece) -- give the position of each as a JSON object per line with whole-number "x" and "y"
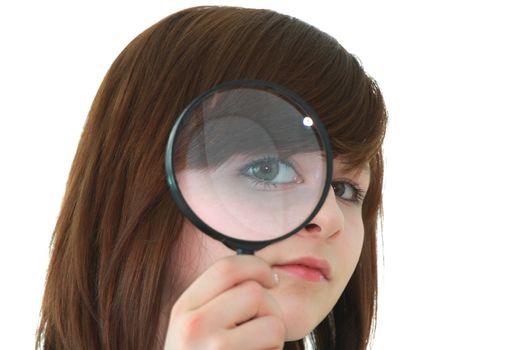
{"x": 241, "y": 251}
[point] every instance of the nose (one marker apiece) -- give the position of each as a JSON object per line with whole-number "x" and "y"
{"x": 329, "y": 220}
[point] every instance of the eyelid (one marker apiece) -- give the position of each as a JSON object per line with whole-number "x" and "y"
{"x": 266, "y": 158}
{"x": 360, "y": 192}
{"x": 298, "y": 179}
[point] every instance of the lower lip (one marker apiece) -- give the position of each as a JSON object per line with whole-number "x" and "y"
{"x": 307, "y": 273}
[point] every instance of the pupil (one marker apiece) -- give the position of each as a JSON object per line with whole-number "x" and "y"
{"x": 339, "y": 188}
{"x": 267, "y": 171}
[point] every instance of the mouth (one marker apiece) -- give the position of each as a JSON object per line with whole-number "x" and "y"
{"x": 308, "y": 268}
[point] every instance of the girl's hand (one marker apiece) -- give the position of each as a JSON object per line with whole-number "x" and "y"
{"x": 228, "y": 307}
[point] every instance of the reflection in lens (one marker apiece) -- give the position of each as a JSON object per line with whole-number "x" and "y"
{"x": 243, "y": 120}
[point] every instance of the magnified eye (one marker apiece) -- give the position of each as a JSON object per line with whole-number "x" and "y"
{"x": 347, "y": 191}
{"x": 270, "y": 170}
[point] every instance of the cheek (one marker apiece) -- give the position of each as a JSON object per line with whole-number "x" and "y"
{"x": 353, "y": 224}
{"x": 195, "y": 253}
{"x": 349, "y": 250}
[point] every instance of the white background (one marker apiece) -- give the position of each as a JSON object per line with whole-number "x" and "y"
{"x": 452, "y": 75}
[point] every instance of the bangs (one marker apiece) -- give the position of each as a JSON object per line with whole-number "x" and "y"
{"x": 331, "y": 80}
{"x": 294, "y": 54}
{"x": 352, "y": 109}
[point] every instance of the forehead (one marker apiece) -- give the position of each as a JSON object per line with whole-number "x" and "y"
{"x": 360, "y": 174}
{"x": 365, "y": 169}
{"x": 341, "y": 165}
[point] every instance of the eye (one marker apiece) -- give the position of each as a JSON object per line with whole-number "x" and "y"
{"x": 348, "y": 191}
{"x": 271, "y": 170}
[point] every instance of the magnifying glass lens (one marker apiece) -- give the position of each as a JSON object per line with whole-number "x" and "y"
{"x": 249, "y": 162}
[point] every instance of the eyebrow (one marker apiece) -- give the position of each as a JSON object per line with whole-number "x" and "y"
{"x": 362, "y": 169}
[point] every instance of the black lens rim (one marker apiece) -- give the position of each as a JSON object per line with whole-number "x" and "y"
{"x": 243, "y": 246}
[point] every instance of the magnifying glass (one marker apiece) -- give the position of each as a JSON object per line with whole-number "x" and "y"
{"x": 249, "y": 163}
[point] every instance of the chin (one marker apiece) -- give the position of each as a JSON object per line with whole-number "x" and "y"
{"x": 298, "y": 331}
{"x": 301, "y": 321}
{"x": 295, "y": 335}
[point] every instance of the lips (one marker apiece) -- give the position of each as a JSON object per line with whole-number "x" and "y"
{"x": 309, "y": 268}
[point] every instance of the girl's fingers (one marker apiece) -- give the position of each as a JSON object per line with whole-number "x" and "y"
{"x": 240, "y": 304}
{"x": 221, "y": 276}
{"x": 231, "y": 296}
{"x": 266, "y": 332}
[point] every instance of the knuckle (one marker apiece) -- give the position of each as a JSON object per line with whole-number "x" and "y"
{"x": 226, "y": 267}
{"x": 277, "y": 329}
{"x": 253, "y": 289}
{"x": 254, "y": 295}
{"x": 233, "y": 269}
{"x": 191, "y": 326}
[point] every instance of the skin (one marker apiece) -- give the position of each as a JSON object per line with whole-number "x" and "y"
{"x": 246, "y": 209}
{"x": 228, "y": 301}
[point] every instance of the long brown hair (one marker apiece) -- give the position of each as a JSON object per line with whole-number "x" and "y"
{"x": 118, "y": 225}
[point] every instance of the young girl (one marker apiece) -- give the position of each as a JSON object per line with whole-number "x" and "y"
{"x": 128, "y": 271}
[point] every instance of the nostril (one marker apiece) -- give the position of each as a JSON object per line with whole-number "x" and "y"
{"x": 313, "y": 228}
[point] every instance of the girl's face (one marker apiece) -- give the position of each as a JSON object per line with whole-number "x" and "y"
{"x": 334, "y": 237}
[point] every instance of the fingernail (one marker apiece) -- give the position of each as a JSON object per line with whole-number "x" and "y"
{"x": 275, "y": 278}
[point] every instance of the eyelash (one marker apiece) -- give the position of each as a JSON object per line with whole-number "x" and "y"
{"x": 269, "y": 159}
{"x": 267, "y": 185}
{"x": 356, "y": 199}
{"x": 359, "y": 193}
